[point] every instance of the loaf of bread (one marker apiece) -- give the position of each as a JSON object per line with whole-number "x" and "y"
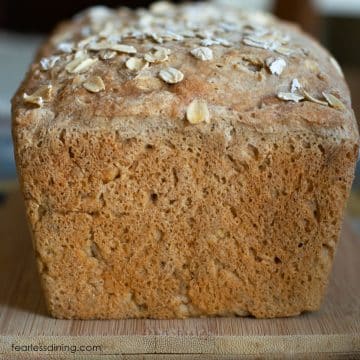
{"x": 183, "y": 161}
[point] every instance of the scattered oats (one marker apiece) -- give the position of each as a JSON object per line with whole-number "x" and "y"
{"x": 127, "y": 49}
{"x": 251, "y": 42}
{"x": 107, "y": 54}
{"x": 336, "y": 66}
{"x": 171, "y": 75}
{"x": 80, "y": 54}
{"x": 202, "y": 53}
{"x": 70, "y": 66}
{"x": 136, "y": 64}
{"x": 39, "y": 96}
{"x": 88, "y": 40}
{"x": 48, "y": 63}
{"x": 204, "y": 34}
{"x": 295, "y": 85}
{"x": 170, "y": 35}
{"x": 223, "y": 42}
{"x": 198, "y": 112}
{"x": 84, "y": 65}
{"x": 157, "y": 38}
{"x": 94, "y": 84}
{"x": 334, "y": 101}
{"x": 290, "y": 96}
{"x": 267, "y": 39}
{"x": 160, "y": 55}
{"x": 97, "y": 46}
{"x": 105, "y": 45}
{"x": 208, "y": 42}
{"x": 275, "y": 65}
{"x": 283, "y": 50}
{"x": 260, "y": 43}
{"x": 312, "y": 99}
{"x": 79, "y": 65}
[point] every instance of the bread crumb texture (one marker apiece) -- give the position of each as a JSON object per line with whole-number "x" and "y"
{"x": 183, "y": 161}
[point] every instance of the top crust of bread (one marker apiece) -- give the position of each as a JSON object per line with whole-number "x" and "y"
{"x": 249, "y": 62}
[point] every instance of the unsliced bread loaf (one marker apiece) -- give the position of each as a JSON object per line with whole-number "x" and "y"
{"x": 183, "y": 161}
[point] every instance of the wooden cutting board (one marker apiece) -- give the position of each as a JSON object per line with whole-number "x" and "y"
{"x": 333, "y": 332}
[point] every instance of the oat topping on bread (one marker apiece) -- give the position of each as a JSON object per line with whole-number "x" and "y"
{"x": 104, "y": 42}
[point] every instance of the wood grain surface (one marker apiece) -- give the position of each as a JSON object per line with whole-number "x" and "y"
{"x": 332, "y": 332}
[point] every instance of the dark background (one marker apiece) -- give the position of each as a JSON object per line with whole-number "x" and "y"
{"x": 42, "y": 15}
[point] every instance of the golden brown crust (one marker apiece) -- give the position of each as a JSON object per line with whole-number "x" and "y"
{"x": 139, "y": 208}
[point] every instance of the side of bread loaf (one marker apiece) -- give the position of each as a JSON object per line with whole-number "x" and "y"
{"x": 165, "y": 180}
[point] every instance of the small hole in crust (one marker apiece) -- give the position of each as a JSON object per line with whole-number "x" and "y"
{"x": 154, "y": 197}
{"x": 71, "y": 153}
{"x": 277, "y": 260}
{"x": 321, "y": 148}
